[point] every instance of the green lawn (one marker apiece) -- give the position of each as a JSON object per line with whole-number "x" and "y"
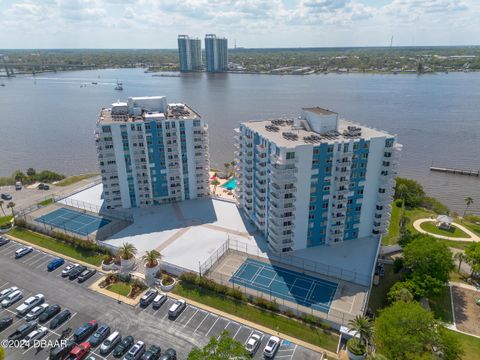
{"x": 310, "y": 334}
{"x": 470, "y": 225}
{"x": 378, "y": 295}
{"x": 442, "y": 307}
{"x": 393, "y": 230}
{"x": 431, "y": 227}
{"x": 46, "y": 202}
{"x": 470, "y": 345}
{"x": 5, "y": 220}
{"x": 73, "y": 179}
{"x": 57, "y": 246}
{"x": 120, "y": 288}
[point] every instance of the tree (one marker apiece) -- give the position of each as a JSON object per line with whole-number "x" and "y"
{"x": 127, "y": 251}
{"x": 410, "y": 191}
{"x": 226, "y": 165}
{"x": 10, "y": 206}
{"x": 362, "y": 326}
{"x": 215, "y": 183}
{"x": 1, "y": 207}
{"x": 19, "y": 176}
{"x": 31, "y": 172}
{"x": 223, "y": 348}
{"x": 408, "y": 331}
{"x": 460, "y": 257}
{"x": 402, "y": 291}
{"x": 430, "y": 262}
{"x": 468, "y": 201}
{"x": 472, "y": 252}
{"x": 151, "y": 258}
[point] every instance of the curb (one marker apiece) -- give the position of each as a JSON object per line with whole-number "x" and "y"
{"x": 51, "y": 252}
{"x": 257, "y": 326}
{"x": 126, "y": 300}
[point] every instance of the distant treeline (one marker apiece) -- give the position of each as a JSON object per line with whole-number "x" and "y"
{"x": 30, "y": 177}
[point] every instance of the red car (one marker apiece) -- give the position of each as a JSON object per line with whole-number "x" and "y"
{"x": 79, "y": 351}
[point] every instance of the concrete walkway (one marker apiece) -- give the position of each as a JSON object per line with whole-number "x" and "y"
{"x": 473, "y": 237}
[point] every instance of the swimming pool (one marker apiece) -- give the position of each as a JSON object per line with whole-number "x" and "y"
{"x": 230, "y": 184}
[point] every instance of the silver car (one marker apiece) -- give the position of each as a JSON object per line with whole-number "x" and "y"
{"x": 12, "y": 298}
{"x": 6, "y": 292}
{"x": 36, "y": 312}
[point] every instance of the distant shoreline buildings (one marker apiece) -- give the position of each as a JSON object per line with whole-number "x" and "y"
{"x": 190, "y": 53}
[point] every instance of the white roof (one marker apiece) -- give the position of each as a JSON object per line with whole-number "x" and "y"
{"x": 444, "y": 219}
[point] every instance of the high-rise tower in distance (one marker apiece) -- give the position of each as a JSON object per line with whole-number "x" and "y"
{"x": 189, "y": 53}
{"x": 216, "y": 53}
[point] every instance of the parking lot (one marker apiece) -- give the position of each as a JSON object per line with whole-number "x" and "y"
{"x": 192, "y": 328}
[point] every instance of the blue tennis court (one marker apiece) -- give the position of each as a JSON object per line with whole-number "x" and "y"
{"x": 73, "y": 221}
{"x": 289, "y": 285}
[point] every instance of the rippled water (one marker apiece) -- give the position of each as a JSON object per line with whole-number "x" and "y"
{"x": 48, "y": 122}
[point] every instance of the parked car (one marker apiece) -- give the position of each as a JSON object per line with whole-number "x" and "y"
{"x": 99, "y": 335}
{"x": 169, "y": 354}
{"x": 6, "y": 292}
{"x": 159, "y": 300}
{"x": 123, "y": 346}
{"x": 79, "y": 351}
{"x": 18, "y": 185}
{"x": 69, "y": 268}
{"x": 59, "y": 352}
{"x": 85, "y": 331}
{"x": 136, "y": 352}
{"x": 86, "y": 274}
{"x": 40, "y": 186}
{"x": 60, "y": 318}
{"x": 36, "y": 334}
{"x": 23, "y": 330}
{"x": 29, "y": 304}
{"x": 46, "y": 187}
{"x": 148, "y": 297}
{"x": 74, "y": 273}
{"x": 176, "y": 308}
{"x": 6, "y": 196}
{"x": 110, "y": 343}
{"x": 253, "y": 343}
{"x": 36, "y": 312}
{"x": 5, "y": 322}
{"x": 12, "y": 298}
{"x": 271, "y": 347}
{"x": 55, "y": 264}
{"x": 3, "y": 241}
{"x": 153, "y": 353}
{"x": 50, "y": 312}
{"x": 23, "y": 251}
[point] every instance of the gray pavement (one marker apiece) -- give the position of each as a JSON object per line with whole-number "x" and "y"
{"x": 192, "y": 328}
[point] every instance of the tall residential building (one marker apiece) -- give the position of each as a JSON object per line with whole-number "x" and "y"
{"x": 315, "y": 180}
{"x": 151, "y": 152}
{"x": 189, "y": 53}
{"x": 216, "y": 53}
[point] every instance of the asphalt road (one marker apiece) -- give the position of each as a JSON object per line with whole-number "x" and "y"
{"x": 192, "y": 328}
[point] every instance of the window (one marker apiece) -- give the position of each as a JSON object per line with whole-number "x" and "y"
{"x": 290, "y": 155}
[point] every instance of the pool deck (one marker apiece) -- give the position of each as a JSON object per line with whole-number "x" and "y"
{"x": 219, "y": 191}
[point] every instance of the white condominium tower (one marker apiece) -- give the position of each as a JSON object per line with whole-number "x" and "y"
{"x": 189, "y": 53}
{"x": 216, "y": 53}
{"x": 151, "y": 152}
{"x": 315, "y": 180}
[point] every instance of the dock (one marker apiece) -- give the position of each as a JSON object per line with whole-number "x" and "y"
{"x": 456, "y": 171}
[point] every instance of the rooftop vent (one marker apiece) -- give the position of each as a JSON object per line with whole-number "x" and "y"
{"x": 330, "y": 134}
{"x": 312, "y": 139}
{"x": 290, "y": 135}
{"x": 352, "y": 131}
{"x": 272, "y": 128}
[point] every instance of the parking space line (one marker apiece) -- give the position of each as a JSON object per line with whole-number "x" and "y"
{"x": 251, "y": 332}
{"x": 228, "y": 323}
{"x": 184, "y": 311}
{"x": 1, "y": 286}
{"x": 66, "y": 322}
{"x": 208, "y": 314}
{"x": 42, "y": 257}
{"x": 218, "y": 318}
{"x": 7, "y": 248}
{"x": 241, "y": 326}
{"x": 27, "y": 258}
{"x": 191, "y": 318}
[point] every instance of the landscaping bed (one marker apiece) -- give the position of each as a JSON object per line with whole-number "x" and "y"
{"x": 312, "y": 334}
{"x": 6, "y": 221}
{"x": 431, "y": 227}
{"x": 123, "y": 285}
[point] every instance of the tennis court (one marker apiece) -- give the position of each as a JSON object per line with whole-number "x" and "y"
{"x": 73, "y": 221}
{"x": 289, "y": 285}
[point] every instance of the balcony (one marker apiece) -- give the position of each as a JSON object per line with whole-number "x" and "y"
{"x": 261, "y": 149}
{"x": 276, "y": 159}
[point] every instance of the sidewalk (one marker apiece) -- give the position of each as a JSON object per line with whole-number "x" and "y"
{"x": 264, "y": 329}
{"x": 473, "y": 236}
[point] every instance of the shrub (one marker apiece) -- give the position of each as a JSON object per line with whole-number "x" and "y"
{"x": 265, "y": 304}
{"x": 20, "y": 222}
{"x": 435, "y": 205}
{"x": 356, "y": 347}
{"x": 289, "y": 313}
{"x": 167, "y": 279}
{"x": 397, "y": 264}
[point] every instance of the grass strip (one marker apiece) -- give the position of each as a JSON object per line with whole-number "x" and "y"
{"x": 120, "y": 288}
{"x": 73, "y": 179}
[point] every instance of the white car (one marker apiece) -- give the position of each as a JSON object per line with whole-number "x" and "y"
{"x": 8, "y": 291}
{"x": 272, "y": 346}
{"x": 159, "y": 300}
{"x": 23, "y": 251}
{"x": 36, "y": 312}
{"x": 69, "y": 268}
{"x": 136, "y": 351}
{"x": 29, "y": 304}
{"x": 176, "y": 308}
{"x": 12, "y": 298}
{"x": 252, "y": 343}
{"x": 35, "y": 335}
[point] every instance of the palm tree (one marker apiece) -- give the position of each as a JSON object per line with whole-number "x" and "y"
{"x": 1, "y": 207}
{"x": 151, "y": 258}
{"x": 11, "y": 205}
{"x": 215, "y": 183}
{"x": 362, "y": 326}
{"x": 468, "y": 201}
{"x": 460, "y": 257}
{"x": 127, "y": 251}
{"x": 227, "y": 165}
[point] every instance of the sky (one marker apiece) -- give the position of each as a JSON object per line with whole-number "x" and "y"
{"x": 250, "y": 23}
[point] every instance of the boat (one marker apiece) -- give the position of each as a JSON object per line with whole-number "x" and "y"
{"x": 119, "y": 86}
{"x": 94, "y": 83}
{"x": 2, "y": 84}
